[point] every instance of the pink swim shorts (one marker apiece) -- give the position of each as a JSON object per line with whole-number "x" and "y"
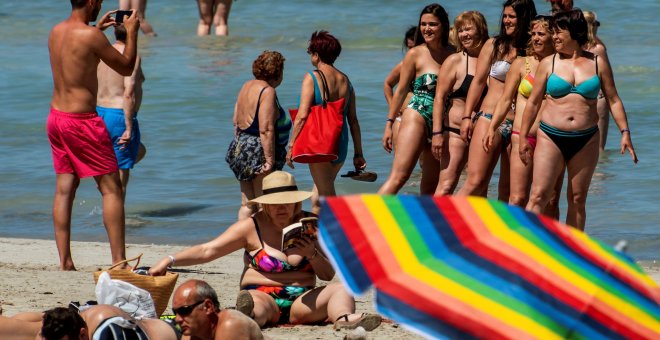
{"x": 80, "y": 143}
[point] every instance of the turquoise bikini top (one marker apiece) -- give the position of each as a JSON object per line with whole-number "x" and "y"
{"x": 558, "y": 87}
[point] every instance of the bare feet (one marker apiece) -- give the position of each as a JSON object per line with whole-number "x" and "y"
{"x": 67, "y": 266}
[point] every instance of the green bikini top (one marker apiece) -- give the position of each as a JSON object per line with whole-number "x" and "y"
{"x": 558, "y": 87}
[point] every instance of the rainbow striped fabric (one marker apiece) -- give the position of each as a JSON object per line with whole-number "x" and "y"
{"x": 450, "y": 267}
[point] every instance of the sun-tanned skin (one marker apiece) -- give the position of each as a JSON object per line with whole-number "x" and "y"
{"x": 75, "y": 51}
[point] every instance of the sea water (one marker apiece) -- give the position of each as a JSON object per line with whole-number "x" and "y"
{"x": 184, "y": 193}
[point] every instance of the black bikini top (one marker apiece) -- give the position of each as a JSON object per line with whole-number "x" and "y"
{"x": 462, "y": 90}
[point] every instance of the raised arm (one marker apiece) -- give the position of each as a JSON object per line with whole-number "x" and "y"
{"x": 406, "y": 75}
{"x": 532, "y": 108}
{"x": 511, "y": 84}
{"x": 448, "y": 75}
{"x": 616, "y": 105}
{"x": 123, "y": 64}
{"x": 476, "y": 88}
{"x": 234, "y": 238}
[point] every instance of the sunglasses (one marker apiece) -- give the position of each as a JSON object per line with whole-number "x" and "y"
{"x": 186, "y": 310}
{"x": 543, "y": 17}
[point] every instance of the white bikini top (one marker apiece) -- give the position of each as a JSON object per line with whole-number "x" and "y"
{"x": 499, "y": 69}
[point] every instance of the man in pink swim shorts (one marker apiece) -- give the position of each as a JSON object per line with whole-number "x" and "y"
{"x": 79, "y": 140}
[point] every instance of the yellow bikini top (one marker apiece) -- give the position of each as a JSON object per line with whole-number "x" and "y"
{"x": 527, "y": 83}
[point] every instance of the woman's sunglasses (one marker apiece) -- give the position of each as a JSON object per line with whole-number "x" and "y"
{"x": 186, "y": 310}
{"x": 543, "y": 17}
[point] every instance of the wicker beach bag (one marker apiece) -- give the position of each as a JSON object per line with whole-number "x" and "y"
{"x": 160, "y": 287}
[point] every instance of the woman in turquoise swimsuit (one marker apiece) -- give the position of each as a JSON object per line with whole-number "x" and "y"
{"x": 457, "y": 73}
{"x": 568, "y": 133}
{"x": 517, "y": 88}
{"x": 492, "y": 66}
{"x": 323, "y": 50}
{"x": 420, "y": 67}
{"x": 272, "y": 290}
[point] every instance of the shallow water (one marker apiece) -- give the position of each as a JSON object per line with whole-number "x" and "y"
{"x": 184, "y": 193}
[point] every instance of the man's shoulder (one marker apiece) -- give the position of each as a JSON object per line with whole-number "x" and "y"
{"x": 76, "y": 31}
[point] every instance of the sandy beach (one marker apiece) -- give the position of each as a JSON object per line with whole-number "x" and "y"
{"x": 31, "y": 281}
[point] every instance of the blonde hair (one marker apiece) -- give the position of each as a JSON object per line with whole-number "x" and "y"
{"x": 545, "y": 22}
{"x": 479, "y": 22}
{"x": 592, "y": 25}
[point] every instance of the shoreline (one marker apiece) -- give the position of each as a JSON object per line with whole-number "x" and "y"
{"x": 32, "y": 281}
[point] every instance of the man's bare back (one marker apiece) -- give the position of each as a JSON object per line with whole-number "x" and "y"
{"x": 75, "y": 51}
{"x": 80, "y": 144}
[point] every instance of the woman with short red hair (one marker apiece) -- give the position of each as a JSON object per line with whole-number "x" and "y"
{"x": 323, "y": 50}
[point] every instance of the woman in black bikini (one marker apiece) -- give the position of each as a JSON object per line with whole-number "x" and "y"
{"x": 457, "y": 73}
{"x": 568, "y": 134}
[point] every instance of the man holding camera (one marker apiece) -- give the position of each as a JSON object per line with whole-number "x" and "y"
{"x": 81, "y": 146}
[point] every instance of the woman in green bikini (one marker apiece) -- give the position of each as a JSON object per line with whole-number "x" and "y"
{"x": 421, "y": 65}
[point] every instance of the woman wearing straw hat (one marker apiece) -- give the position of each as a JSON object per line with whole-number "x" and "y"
{"x": 272, "y": 290}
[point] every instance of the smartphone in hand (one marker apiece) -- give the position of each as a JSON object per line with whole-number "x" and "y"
{"x": 119, "y": 16}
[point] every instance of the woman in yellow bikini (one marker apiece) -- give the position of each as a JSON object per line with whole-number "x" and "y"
{"x": 517, "y": 88}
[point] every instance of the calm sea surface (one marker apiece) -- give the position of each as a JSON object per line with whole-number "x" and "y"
{"x": 183, "y": 191}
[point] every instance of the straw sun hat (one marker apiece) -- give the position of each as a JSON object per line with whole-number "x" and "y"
{"x": 280, "y": 187}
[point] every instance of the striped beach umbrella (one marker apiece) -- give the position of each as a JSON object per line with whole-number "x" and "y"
{"x": 450, "y": 267}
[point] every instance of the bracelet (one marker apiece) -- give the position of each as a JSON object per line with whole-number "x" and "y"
{"x": 625, "y": 130}
{"x": 391, "y": 120}
{"x": 435, "y": 133}
{"x": 316, "y": 252}
{"x": 171, "y": 261}
{"x": 466, "y": 117}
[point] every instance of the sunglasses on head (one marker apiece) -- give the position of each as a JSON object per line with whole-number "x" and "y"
{"x": 543, "y": 17}
{"x": 186, "y": 310}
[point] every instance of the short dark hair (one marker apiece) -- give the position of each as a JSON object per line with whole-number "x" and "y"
{"x": 268, "y": 65}
{"x": 78, "y": 3}
{"x": 325, "y": 45}
{"x": 59, "y": 322}
{"x": 120, "y": 33}
{"x": 204, "y": 291}
{"x": 574, "y": 22}
{"x": 439, "y": 12}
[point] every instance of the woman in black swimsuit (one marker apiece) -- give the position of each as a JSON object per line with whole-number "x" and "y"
{"x": 457, "y": 72}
